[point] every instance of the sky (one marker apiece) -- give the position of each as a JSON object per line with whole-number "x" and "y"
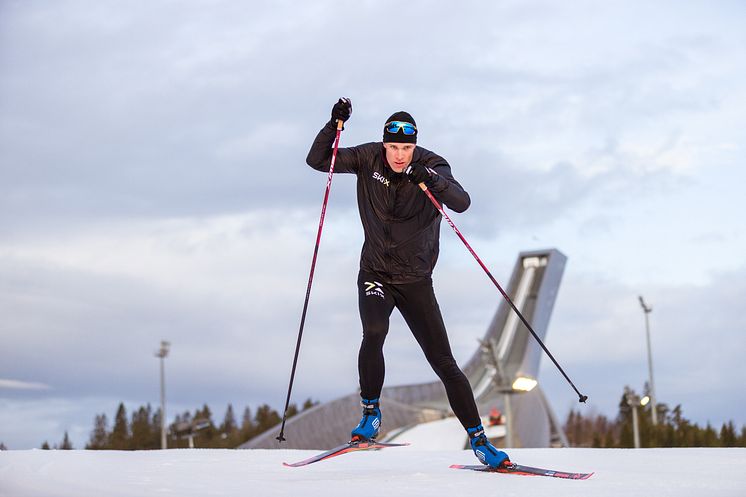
{"x": 154, "y": 187}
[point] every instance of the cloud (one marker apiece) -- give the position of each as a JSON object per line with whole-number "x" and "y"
{"x": 200, "y": 115}
{"x": 22, "y": 385}
{"x": 216, "y": 288}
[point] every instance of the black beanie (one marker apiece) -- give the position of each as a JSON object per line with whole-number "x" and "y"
{"x": 399, "y": 136}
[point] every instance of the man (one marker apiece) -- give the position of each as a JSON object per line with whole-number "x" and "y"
{"x": 402, "y": 230}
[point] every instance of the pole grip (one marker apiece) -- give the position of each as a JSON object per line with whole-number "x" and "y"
{"x": 340, "y": 124}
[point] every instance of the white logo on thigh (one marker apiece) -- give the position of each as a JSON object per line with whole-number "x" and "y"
{"x": 373, "y": 288}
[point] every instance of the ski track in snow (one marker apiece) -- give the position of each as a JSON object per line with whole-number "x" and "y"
{"x": 401, "y": 471}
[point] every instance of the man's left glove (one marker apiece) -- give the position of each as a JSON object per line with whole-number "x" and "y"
{"x": 417, "y": 173}
{"x": 342, "y": 110}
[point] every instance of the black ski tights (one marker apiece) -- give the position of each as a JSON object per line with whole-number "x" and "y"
{"x": 417, "y": 304}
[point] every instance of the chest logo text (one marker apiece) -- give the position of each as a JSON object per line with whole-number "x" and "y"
{"x": 379, "y": 177}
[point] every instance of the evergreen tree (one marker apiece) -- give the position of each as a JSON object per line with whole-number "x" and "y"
{"x": 205, "y": 413}
{"x": 155, "y": 428}
{"x": 728, "y": 435}
{"x": 100, "y": 435}
{"x": 696, "y": 438}
{"x": 266, "y": 418}
{"x": 624, "y": 421}
{"x": 45, "y": 445}
{"x": 229, "y": 425}
{"x": 66, "y": 444}
{"x": 680, "y": 427}
{"x": 2, "y": 446}
{"x": 609, "y": 440}
{"x": 229, "y": 432}
{"x": 672, "y": 430}
{"x": 659, "y": 433}
{"x": 605, "y": 431}
{"x": 669, "y": 435}
{"x": 248, "y": 428}
{"x": 119, "y": 439}
{"x": 142, "y": 431}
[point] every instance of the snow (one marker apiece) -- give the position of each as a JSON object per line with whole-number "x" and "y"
{"x": 436, "y": 435}
{"x": 401, "y": 471}
{"x": 442, "y": 434}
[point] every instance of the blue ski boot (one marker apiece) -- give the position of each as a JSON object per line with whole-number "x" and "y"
{"x": 484, "y": 450}
{"x": 368, "y": 427}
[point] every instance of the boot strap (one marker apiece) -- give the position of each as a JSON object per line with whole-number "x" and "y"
{"x": 476, "y": 434}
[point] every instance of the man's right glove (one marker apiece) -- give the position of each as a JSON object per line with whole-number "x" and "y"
{"x": 417, "y": 173}
{"x": 342, "y": 110}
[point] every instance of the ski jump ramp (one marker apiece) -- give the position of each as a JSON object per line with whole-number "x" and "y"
{"x": 506, "y": 353}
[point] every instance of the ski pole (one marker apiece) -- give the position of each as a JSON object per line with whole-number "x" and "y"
{"x": 581, "y": 397}
{"x": 340, "y": 123}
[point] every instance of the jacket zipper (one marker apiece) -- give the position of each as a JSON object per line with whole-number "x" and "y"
{"x": 391, "y": 207}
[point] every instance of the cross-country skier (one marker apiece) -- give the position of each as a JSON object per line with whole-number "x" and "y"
{"x": 402, "y": 231}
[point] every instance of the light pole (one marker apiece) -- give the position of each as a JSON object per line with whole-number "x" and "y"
{"x": 633, "y": 400}
{"x": 162, "y": 353}
{"x": 647, "y": 310}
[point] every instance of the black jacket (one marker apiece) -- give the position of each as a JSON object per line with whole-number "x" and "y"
{"x": 401, "y": 225}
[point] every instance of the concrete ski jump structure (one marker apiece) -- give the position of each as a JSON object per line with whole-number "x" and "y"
{"x": 507, "y": 353}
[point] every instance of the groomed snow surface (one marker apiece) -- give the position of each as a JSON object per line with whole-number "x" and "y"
{"x": 401, "y": 471}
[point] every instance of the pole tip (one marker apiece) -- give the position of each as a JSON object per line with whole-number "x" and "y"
{"x": 583, "y": 398}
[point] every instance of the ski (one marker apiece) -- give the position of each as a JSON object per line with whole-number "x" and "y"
{"x": 343, "y": 449}
{"x": 519, "y": 469}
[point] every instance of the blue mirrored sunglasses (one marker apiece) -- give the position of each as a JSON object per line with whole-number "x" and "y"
{"x": 395, "y": 126}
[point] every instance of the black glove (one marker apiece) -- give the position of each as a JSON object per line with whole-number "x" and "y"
{"x": 342, "y": 110}
{"x": 417, "y": 173}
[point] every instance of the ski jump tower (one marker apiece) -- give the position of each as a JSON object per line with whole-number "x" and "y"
{"x": 506, "y": 360}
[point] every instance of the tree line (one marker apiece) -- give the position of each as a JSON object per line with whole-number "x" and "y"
{"x": 142, "y": 429}
{"x": 672, "y": 429}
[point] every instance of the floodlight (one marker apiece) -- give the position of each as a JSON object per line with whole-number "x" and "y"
{"x": 524, "y": 384}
